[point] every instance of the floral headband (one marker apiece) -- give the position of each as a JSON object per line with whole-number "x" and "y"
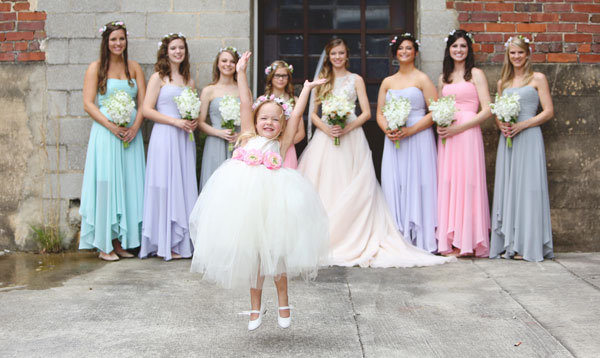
{"x": 229, "y": 48}
{"x": 406, "y": 34}
{"x": 451, "y": 33}
{"x": 114, "y": 23}
{"x": 287, "y": 108}
{"x": 521, "y": 37}
{"x": 273, "y": 67}
{"x": 179, "y": 34}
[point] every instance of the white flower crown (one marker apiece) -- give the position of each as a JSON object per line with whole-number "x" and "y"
{"x": 451, "y": 33}
{"x": 230, "y": 48}
{"x": 521, "y": 37}
{"x": 273, "y": 67}
{"x": 287, "y": 108}
{"x": 169, "y": 35}
{"x": 406, "y": 34}
{"x": 114, "y": 23}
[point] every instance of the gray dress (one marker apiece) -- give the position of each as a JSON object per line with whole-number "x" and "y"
{"x": 215, "y": 149}
{"x": 521, "y": 209}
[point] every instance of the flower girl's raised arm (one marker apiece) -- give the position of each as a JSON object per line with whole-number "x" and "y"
{"x": 296, "y": 116}
{"x": 245, "y": 95}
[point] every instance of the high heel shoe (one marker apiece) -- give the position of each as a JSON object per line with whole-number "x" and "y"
{"x": 284, "y": 322}
{"x": 254, "y": 324}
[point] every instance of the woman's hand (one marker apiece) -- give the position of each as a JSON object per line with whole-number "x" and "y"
{"x": 405, "y": 132}
{"x": 186, "y": 125}
{"x": 450, "y": 131}
{"x": 336, "y": 131}
{"x": 393, "y": 134}
{"x": 504, "y": 128}
{"x": 516, "y": 128}
{"x": 227, "y": 135}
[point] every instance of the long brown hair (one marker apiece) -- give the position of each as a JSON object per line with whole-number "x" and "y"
{"x": 289, "y": 88}
{"x": 449, "y": 62}
{"x": 162, "y": 65}
{"x": 105, "y": 55}
{"x": 327, "y": 70}
{"x": 508, "y": 70}
{"x": 216, "y": 74}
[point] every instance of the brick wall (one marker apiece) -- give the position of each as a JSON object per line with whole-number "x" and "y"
{"x": 21, "y": 31}
{"x": 562, "y": 31}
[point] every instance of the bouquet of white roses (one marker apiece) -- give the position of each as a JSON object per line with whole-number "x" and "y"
{"x": 396, "y": 111}
{"x": 188, "y": 105}
{"x": 119, "y": 106}
{"x": 443, "y": 111}
{"x": 507, "y": 108}
{"x": 230, "y": 112}
{"x": 336, "y": 110}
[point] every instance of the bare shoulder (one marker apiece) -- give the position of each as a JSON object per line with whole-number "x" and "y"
{"x": 476, "y": 72}
{"x": 538, "y": 76}
{"x": 137, "y": 69}
{"x": 423, "y": 78}
{"x": 207, "y": 92}
{"x": 94, "y": 66}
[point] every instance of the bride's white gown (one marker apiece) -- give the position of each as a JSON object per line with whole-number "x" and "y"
{"x": 362, "y": 230}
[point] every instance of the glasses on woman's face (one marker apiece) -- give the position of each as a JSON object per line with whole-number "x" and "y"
{"x": 281, "y": 77}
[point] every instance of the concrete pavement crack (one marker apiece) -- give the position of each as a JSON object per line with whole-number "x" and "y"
{"x": 576, "y": 275}
{"x": 523, "y": 307}
{"x": 354, "y": 314}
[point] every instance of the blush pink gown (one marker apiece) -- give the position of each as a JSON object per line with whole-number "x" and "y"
{"x": 463, "y": 209}
{"x": 290, "y": 160}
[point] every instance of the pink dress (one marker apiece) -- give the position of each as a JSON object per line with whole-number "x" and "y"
{"x": 291, "y": 159}
{"x": 463, "y": 209}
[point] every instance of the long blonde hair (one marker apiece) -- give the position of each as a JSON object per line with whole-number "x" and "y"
{"x": 252, "y": 133}
{"x": 508, "y": 70}
{"x": 327, "y": 70}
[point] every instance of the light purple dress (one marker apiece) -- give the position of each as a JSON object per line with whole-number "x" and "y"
{"x": 171, "y": 188}
{"x": 408, "y": 177}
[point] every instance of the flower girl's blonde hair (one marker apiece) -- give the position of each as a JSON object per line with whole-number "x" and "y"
{"x": 252, "y": 133}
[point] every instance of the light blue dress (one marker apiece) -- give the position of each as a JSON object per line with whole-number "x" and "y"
{"x": 215, "y": 149}
{"x": 521, "y": 210}
{"x": 112, "y": 193}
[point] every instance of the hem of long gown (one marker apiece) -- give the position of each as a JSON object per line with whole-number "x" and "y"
{"x": 479, "y": 249}
{"x": 508, "y": 251}
{"x": 178, "y": 233}
{"x": 86, "y": 241}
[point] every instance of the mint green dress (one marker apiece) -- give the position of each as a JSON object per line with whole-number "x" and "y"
{"x": 112, "y": 193}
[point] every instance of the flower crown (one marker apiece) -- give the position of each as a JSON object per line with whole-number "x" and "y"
{"x": 273, "y": 67}
{"x": 520, "y": 37}
{"x": 230, "y": 48}
{"x": 451, "y": 33}
{"x": 114, "y": 23}
{"x": 169, "y": 35}
{"x": 406, "y": 34}
{"x": 287, "y": 108}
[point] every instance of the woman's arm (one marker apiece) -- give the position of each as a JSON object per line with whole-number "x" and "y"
{"x": 382, "y": 122}
{"x": 149, "y": 107}
{"x": 365, "y": 108}
{"x": 541, "y": 84}
{"x": 205, "y": 98}
{"x": 503, "y": 126}
{"x": 90, "y": 90}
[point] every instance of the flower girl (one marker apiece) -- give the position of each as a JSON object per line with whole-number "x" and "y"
{"x": 254, "y": 218}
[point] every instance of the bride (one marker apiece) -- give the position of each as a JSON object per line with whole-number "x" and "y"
{"x": 362, "y": 230}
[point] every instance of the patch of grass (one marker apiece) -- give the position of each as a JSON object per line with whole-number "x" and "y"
{"x": 48, "y": 238}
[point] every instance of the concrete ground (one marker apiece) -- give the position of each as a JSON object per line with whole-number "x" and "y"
{"x": 473, "y": 308}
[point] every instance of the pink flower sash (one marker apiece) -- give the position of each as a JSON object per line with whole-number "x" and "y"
{"x": 254, "y": 157}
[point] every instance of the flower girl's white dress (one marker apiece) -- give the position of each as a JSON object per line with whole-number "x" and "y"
{"x": 249, "y": 217}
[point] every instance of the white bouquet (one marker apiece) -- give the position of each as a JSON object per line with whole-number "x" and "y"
{"x": 443, "y": 111}
{"x": 396, "y": 111}
{"x": 336, "y": 110}
{"x": 119, "y": 107}
{"x": 507, "y": 108}
{"x": 230, "y": 113}
{"x": 188, "y": 105}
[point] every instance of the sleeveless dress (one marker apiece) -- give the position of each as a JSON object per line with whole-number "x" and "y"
{"x": 171, "y": 187}
{"x": 215, "y": 149}
{"x": 408, "y": 177}
{"x": 362, "y": 231}
{"x": 521, "y": 210}
{"x": 112, "y": 192}
{"x": 250, "y": 219}
{"x": 463, "y": 208}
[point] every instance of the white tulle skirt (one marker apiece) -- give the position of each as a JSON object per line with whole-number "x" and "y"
{"x": 250, "y": 221}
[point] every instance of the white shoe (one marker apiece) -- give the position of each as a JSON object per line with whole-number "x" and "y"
{"x": 254, "y": 324}
{"x": 284, "y": 322}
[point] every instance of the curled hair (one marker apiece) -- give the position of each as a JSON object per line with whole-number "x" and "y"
{"x": 327, "y": 70}
{"x": 252, "y": 133}
{"x": 289, "y": 88}
{"x": 449, "y": 62}
{"x": 162, "y": 65}
{"x": 508, "y": 71}
{"x": 105, "y": 55}
{"x": 401, "y": 38}
{"x": 216, "y": 74}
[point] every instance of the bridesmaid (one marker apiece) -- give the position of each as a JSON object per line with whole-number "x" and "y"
{"x": 408, "y": 173}
{"x": 279, "y": 83}
{"x": 171, "y": 187}
{"x": 463, "y": 209}
{"x": 112, "y": 192}
{"x": 521, "y": 225}
{"x": 224, "y": 82}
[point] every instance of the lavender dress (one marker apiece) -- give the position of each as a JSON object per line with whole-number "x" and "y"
{"x": 408, "y": 177}
{"x": 171, "y": 189}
